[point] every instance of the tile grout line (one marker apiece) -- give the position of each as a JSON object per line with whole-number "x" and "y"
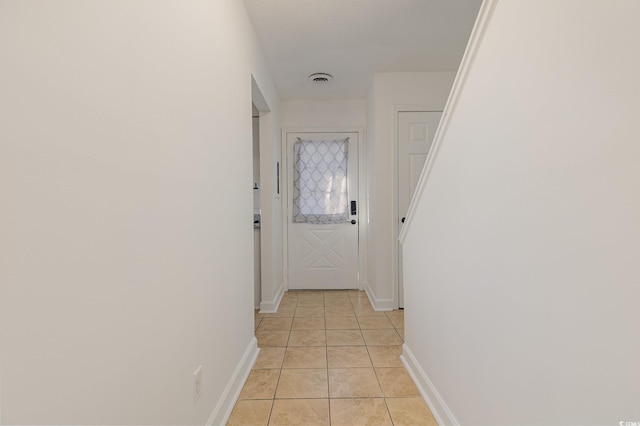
{"x": 380, "y": 384}
{"x": 273, "y": 401}
{"x": 326, "y": 354}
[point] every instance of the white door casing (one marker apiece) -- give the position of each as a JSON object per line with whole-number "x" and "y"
{"x": 416, "y": 131}
{"x": 323, "y": 256}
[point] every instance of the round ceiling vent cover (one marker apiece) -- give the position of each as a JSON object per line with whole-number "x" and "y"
{"x": 320, "y": 77}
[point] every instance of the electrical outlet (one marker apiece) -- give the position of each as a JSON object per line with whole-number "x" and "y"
{"x": 197, "y": 384}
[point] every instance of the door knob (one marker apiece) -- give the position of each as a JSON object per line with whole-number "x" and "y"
{"x": 353, "y": 221}
{"x": 403, "y": 219}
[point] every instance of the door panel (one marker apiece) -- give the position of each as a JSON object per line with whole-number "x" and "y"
{"x": 416, "y": 164}
{"x": 416, "y": 131}
{"x": 321, "y": 255}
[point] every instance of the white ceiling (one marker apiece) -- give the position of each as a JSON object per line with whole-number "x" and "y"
{"x": 353, "y": 39}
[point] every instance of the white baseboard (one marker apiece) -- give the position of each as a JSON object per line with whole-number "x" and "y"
{"x": 225, "y": 404}
{"x": 271, "y": 306}
{"x": 378, "y": 304}
{"x": 438, "y": 407}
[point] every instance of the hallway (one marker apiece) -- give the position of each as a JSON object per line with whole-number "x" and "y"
{"x": 328, "y": 358}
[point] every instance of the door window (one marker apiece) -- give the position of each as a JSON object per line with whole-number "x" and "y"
{"x": 320, "y": 181}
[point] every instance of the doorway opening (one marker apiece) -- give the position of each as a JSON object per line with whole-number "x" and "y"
{"x": 323, "y": 246}
{"x": 323, "y": 206}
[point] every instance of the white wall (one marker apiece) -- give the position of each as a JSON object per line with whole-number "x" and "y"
{"x": 126, "y": 202}
{"x": 338, "y": 113}
{"x": 272, "y": 283}
{"x": 369, "y": 273}
{"x": 521, "y": 260}
{"x": 389, "y": 92}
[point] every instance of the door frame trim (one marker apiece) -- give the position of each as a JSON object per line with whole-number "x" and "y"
{"x": 363, "y": 211}
{"x": 395, "y": 175}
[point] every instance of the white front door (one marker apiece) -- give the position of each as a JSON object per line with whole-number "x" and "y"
{"x": 323, "y": 208}
{"x": 415, "y": 136}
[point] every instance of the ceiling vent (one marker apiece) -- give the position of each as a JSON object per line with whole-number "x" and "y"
{"x": 321, "y": 77}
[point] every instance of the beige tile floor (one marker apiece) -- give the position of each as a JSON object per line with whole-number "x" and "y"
{"x": 326, "y": 357}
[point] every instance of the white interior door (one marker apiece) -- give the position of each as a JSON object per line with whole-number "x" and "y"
{"x": 415, "y": 136}
{"x": 323, "y": 208}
